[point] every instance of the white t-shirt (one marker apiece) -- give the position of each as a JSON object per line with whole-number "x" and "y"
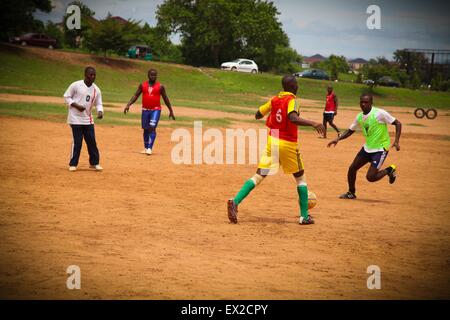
{"x": 85, "y": 96}
{"x": 382, "y": 116}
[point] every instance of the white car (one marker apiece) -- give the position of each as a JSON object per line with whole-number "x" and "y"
{"x": 242, "y": 65}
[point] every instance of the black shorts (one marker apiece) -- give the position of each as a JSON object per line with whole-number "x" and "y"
{"x": 376, "y": 159}
{"x": 328, "y": 116}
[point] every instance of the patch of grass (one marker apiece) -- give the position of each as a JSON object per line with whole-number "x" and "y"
{"x": 58, "y": 113}
{"x": 26, "y": 72}
{"x": 416, "y": 124}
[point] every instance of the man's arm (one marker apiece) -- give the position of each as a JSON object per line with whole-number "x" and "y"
{"x": 343, "y": 136}
{"x": 133, "y": 99}
{"x": 258, "y": 115}
{"x": 398, "y": 132}
{"x": 99, "y": 105}
{"x": 167, "y": 102}
{"x": 294, "y": 118}
{"x": 336, "y": 104}
{"x": 263, "y": 110}
{"x": 68, "y": 97}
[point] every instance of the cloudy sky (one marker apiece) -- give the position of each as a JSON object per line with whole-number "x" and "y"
{"x": 323, "y": 26}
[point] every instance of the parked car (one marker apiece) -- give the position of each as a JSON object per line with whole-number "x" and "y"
{"x": 242, "y": 65}
{"x": 388, "y": 82}
{"x": 140, "y": 52}
{"x": 369, "y": 82}
{"x": 313, "y": 74}
{"x": 35, "y": 39}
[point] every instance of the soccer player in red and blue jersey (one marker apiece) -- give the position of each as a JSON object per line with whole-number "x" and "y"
{"x": 330, "y": 111}
{"x": 151, "y": 108}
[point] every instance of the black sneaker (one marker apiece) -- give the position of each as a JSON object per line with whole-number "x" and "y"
{"x": 232, "y": 211}
{"x": 348, "y": 195}
{"x": 392, "y": 174}
{"x": 309, "y": 220}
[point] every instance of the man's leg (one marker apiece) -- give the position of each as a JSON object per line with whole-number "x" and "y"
{"x": 359, "y": 161}
{"x": 334, "y": 126}
{"x": 302, "y": 190}
{"x": 248, "y": 186}
{"x": 77, "y": 132}
{"x": 89, "y": 137}
{"x": 154, "y": 119}
{"x": 145, "y": 123}
{"x": 324, "y": 122}
{"x": 374, "y": 173}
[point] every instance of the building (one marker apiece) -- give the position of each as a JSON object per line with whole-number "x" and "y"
{"x": 308, "y": 61}
{"x": 357, "y": 64}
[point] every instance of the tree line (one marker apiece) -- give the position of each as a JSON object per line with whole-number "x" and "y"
{"x": 210, "y": 32}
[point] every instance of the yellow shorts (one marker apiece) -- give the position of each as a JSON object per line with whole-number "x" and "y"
{"x": 288, "y": 156}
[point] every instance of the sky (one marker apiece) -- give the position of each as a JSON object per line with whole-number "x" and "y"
{"x": 322, "y": 26}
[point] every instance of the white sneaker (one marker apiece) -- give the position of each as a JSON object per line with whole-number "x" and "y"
{"x": 72, "y": 168}
{"x": 148, "y": 151}
{"x": 144, "y": 151}
{"x": 96, "y": 167}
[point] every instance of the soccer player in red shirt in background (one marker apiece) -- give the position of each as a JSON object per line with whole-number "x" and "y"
{"x": 330, "y": 111}
{"x": 151, "y": 108}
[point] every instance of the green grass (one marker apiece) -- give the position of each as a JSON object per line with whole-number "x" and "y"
{"x": 25, "y": 72}
{"x": 416, "y": 124}
{"x": 58, "y": 113}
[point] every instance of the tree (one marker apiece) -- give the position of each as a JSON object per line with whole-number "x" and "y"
{"x": 334, "y": 65}
{"x": 162, "y": 48}
{"x": 16, "y": 17}
{"x": 53, "y": 31}
{"x": 112, "y": 35}
{"x": 218, "y": 30}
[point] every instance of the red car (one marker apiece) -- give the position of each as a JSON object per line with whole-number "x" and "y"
{"x": 36, "y": 39}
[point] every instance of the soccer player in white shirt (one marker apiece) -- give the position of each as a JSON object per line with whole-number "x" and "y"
{"x": 81, "y": 97}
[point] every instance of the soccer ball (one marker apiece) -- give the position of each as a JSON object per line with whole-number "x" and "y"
{"x": 312, "y": 200}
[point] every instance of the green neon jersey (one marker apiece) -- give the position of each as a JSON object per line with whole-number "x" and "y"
{"x": 375, "y": 132}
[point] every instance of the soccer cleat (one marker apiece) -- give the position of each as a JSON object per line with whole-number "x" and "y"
{"x": 308, "y": 220}
{"x": 232, "y": 211}
{"x": 97, "y": 167}
{"x": 148, "y": 151}
{"x": 348, "y": 195}
{"x": 72, "y": 168}
{"x": 392, "y": 173}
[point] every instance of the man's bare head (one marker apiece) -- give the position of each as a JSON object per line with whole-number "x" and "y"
{"x": 289, "y": 84}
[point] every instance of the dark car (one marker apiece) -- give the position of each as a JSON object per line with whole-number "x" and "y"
{"x": 313, "y": 74}
{"x": 35, "y": 39}
{"x": 388, "y": 82}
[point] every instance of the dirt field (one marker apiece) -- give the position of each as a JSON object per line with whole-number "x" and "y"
{"x": 145, "y": 228}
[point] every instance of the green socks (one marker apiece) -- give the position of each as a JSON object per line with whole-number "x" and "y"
{"x": 303, "y": 198}
{"x": 248, "y": 186}
{"x": 302, "y": 191}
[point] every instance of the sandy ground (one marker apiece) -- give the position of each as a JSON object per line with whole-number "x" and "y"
{"x": 147, "y": 228}
{"x": 309, "y": 109}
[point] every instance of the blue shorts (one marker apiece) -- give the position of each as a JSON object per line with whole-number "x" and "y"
{"x": 328, "y": 116}
{"x": 376, "y": 159}
{"x": 150, "y": 118}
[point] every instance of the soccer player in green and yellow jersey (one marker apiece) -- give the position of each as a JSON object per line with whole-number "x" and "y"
{"x": 373, "y": 123}
{"x": 282, "y": 122}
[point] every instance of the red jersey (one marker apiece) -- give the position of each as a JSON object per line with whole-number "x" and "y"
{"x": 331, "y": 104}
{"x": 280, "y": 107}
{"x": 151, "y": 97}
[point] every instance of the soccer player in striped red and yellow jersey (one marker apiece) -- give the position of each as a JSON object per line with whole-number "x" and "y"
{"x": 282, "y": 122}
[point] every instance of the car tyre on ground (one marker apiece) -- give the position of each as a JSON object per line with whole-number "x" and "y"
{"x": 419, "y": 113}
{"x": 431, "y": 113}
